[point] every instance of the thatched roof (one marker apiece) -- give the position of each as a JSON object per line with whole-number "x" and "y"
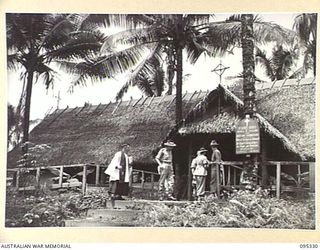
{"x": 286, "y": 110}
{"x": 93, "y": 133}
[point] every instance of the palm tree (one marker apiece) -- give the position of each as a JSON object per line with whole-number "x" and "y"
{"x": 306, "y": 27}
{"x": 34, "y": 41}
{"x": 279, "y": 65}
{"x": 151, "y": 84}
{"x": 155, "y": 35}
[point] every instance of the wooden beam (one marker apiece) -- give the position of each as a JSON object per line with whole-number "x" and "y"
{"x": 150, "y": 101}
{"x": 116, "y": 107}
{"x": 84, "y": 179}
{"x": 312, "y": 177}
{"x": 234, "y": 176}
{"x": 171, "y": 102}
{"x": 184, "y": 95}
{"x": 104, "y": 109}
{"x": 144, "y": 100}
{"x": 218, "y": 179}
{"x": 142, "y": 180}
{"x": 161, "y": 100}
{"x": 299, "y": 174}
{"x": 229, "y": 175}
{"x": 55, "y": 118}
{"x": 189, "y": 194}
{"x": 152, "y": 182}
{"x": 18, "y": 178}
{"x": 97, "y": 108}
{"x": 191, "y": 97}
{"x": 38, "y": 178}
{"x": 137, "y": 102}
{"x": 97, "y": 174}
{"x": 61, "y": 176}
{"x": 278, "y": 180}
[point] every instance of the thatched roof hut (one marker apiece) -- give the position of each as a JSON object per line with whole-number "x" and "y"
{"x": 285, "y": 111}
{"x": 92, "y": 134}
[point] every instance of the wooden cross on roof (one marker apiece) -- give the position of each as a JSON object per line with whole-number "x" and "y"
{"x": 219, "y": 70}
{"x": 58, "y": 99}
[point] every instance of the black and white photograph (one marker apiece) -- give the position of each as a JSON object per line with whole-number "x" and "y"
{"x": 166, "y": 120}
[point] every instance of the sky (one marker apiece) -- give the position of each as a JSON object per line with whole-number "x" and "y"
{"x": 197, "y": 77}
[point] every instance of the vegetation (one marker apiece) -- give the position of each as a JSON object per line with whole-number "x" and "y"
{"x": 279, "y": 65}
{"x": 35, "y": 41}
{"x": 306, "y": 27}
{"x": 243, "y": 209}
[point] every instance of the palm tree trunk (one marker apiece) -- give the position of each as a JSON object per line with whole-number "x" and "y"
{"x": 247, "y": 39}
{"x": 179, "y": 85}
{"x": 26, "y": 116}
{"x": 248, "y": 63}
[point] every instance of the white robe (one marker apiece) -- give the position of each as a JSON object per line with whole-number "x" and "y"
{"x": 114, "y": 172}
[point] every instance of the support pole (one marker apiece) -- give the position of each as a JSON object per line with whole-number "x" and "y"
{"x": 60, "y": 176}
{"x": 278, "y": 180}
{"x": 97, "y": 175}
{"x": 38, "y": 178}
{"x": 189, "y": 172}
{"x": 312, "y": 176}
{"x": 229, "y": 175}
{"x": 84, "y": 179}
{"x": 18, "y": 179}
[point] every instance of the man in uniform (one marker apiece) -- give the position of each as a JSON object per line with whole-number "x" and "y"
{"x": 215, "y": 168}
{"x": 165, "y": 169}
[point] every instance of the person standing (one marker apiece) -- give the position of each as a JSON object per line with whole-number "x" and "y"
{"x": 215, "y": 174}
{"x": 165, "y": 169}
{"x": 119, "y": 171}
{"x": 199, "y": 168}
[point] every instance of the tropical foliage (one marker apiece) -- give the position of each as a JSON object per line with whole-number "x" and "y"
{"x": 243, "y": 209}
{"x": 35, "y": 41}
{"x": 306, "y": 27}
{"x": 146, "y": 39}
{"x": 279, "y": 65}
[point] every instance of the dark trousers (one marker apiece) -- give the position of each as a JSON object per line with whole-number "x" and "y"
{"x": 119, "y": 188}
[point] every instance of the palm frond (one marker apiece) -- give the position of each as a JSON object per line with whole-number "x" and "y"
{"x": 198, "y": 19}
{"x": 265, "y": 62}
{"x": 194, "y": 51}
{"x": 265, "y": 32}
{"x": 282, "y": 61}
{"x": 157, "y": 81}
{"x": 145, "y": 69}
{"x": 306, "y": 26}
{"x": 79, "y": 47}
{"x": 130, "y": 37}
{"x": 56, "y": 32}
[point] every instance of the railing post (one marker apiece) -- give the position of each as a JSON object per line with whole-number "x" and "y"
{"x": 38, "y": 178}
{"x": 97, "y": 174}
{"x": 84, "y": 179}
{"x": 152, "y": 182}
{"x": 142, "y": 180}
{"x": 218, "y": 179}
{"x": 234, "y": 176}
{"x": 61, "y": 176}
{"x": 299, "y": 174}
{"x": 278, "y": 180}
{"x": 312, "y": 176}
{"x": 229, "y": 175}
{"x": 18, "y": 179}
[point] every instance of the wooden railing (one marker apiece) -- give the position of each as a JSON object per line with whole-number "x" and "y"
{"x": 142, "y": 180}
{"x": 232, "y": 169}
{"x": 59, "y": 168}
